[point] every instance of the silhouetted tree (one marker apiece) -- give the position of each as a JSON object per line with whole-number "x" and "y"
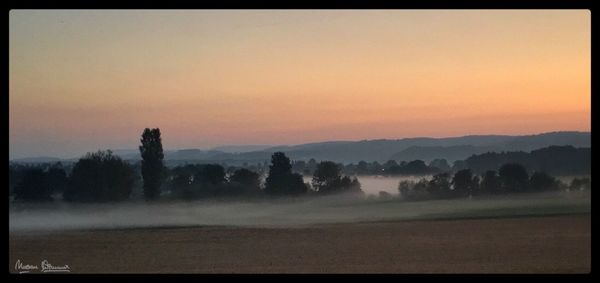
{"x": 208, "y": 180}
{"x": 248, "y": 179}
{"x": 404, "y": 188}
{"x": 57, "y": 178}
{"x": 362, "y": 168}
{"x": 439, "y": 186}
{"x": 245, "y": 177}
{"x": 441, "y": 164}
{"x": 491, "y": 183}
{"x": 580, "y": 184}
{"x": 210, "y": 174}
{"x": 14, "y": 177}
{"x": 464, "y": 183}
{"x": 376, "y": 168}
{"x": 540, "y": 181}
{"x": 181, "y": 179}
{"x": 388, "y": 165}
{"x": 152, "y": 162}
{"x": 326, "y": 176}
{"x": 281, "y": 180}
{"x": 514, "y": 177}
{"x": 100, "y": 177}
{"x": 476, "y": 188}
{"x": 416, "y": 167}
{"x": 33, "y": 186}
{"x": 412, "y": 191}
{"x": 327, "y": 179}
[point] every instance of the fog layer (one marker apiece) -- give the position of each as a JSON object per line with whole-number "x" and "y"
{"x": 284, "y": 212}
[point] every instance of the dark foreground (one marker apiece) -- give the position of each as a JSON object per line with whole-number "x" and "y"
{"x": 552, "y": 244}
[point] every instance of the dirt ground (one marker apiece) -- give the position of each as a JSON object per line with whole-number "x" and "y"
{"x": 553, "y": 244}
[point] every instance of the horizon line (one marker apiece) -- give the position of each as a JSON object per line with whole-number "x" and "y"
{"x": 306, "y": 143}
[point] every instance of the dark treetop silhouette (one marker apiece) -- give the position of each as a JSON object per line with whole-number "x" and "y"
{"x": 152, "y": 162}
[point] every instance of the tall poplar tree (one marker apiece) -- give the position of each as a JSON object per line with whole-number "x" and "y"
{"x": 152, "y": 162}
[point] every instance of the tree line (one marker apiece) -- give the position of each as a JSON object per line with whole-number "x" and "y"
{"x": 554, "y": 160}
{"x": 104, "y": 177}
{"x": 510, "y": 178}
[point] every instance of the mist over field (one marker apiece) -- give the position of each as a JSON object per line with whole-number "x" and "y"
{"x": 281, "y": 213}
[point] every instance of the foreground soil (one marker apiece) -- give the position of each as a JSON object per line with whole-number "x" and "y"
{"x": 553, "y": 244}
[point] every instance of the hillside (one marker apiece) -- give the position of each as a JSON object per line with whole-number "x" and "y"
{"x": 381, "y": 150}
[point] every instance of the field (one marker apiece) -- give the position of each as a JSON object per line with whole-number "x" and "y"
{"x": 545, "y": 237}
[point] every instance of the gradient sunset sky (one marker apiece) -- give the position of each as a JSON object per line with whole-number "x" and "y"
{"x": 86, "y": 80}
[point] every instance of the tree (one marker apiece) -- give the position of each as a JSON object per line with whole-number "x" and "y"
{"x": 404, "y": 188}
{"x": 152, "y": 162}
{"x": 580, "y": 184}
{"x": 245, "y": 177}
{"x": 412, "y": 191}
{"x": 326, "y": 176}
{"x": 514, "y": 177}
{"x": 281, "y": 180}
{"x": 540, "y": 181}
{"x": 439, "y": 185}
{"x": 388, "y": 165}
{"x": 33, "y": 186}
{"x": 180, "y": 182}
{"x": 212, "y": 174}
{"x": 476, "y": 189}
{"x": 464, "y": 183}
{"x": 100, "y": 177}
{"x": 209, "y": 180}
{"x": 328, "y": 179}
{"x": 491, "y": 183}
{"x": 248, "y": 179}
{"x": 416, "y": 167}
{"x": 14, "y": 177}
{"x": 57, "y": 178}
{"x": 441, "y": 164}
{"x": 362, "y": 168}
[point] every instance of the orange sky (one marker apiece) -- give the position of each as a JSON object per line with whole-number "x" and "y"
{"x": 86, "y": 80}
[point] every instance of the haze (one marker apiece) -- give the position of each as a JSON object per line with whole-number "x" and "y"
{"x": 85, "y": 80}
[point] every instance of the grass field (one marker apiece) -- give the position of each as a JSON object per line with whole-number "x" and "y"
{"x": 528, "y": 234}
{"x": 553, "y": 244}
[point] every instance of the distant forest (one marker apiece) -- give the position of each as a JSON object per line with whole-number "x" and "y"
{"x": 105, "y": 177}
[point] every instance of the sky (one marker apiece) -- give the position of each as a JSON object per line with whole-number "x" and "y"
{"x": 82, "y": 80}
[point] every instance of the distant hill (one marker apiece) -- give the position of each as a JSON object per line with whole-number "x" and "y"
{"x": 241, "y": 148}
{"x": 531, "y": 142}
{"x": 381, "y": 150}
{"x": 554, "y": 160}
{"x": 450, "y": 153}
{"x": 426, "y": 149}
{"x": 482, "y": 144}
{"x": 41, "y": 159}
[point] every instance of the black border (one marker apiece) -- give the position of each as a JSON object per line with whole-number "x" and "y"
{"x": 261, "y": 4}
